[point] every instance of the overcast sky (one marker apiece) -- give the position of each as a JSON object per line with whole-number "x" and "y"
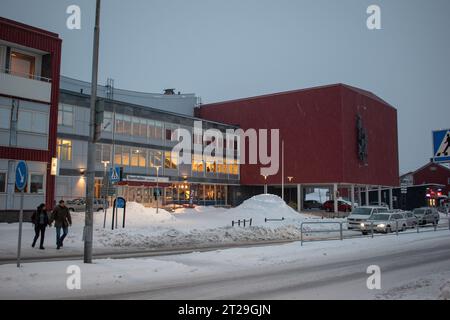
{"x": 229, "y": 49}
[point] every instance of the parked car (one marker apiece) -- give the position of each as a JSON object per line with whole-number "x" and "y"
{"x": 384, "y": 222}
{"x": 426, "y": 215}
{"x": 343, "y": 206}
{"x": 362, "y": 214}
{"x": 312, "y": 204}
{"x": 79, "y": 205}
{"x": 411, "y": 220}
{"x": 383, "y": 204}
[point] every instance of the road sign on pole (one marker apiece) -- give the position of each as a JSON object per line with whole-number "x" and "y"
{"x": 114, "y": 174}
{"x": 21, "y": 182}
{"x": 441, "y": 146}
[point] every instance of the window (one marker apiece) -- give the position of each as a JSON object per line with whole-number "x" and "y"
{"x": 2, "y": 182}
{"x": 138, "y": 157}
{"x": 170, "y": 160}
{"x": 106, "y": 154}
{"x": 98, "y": 153}
{"x": 154, "y": 158}
{"x": 197, "y": 163}
{"x": 125, "y": 156}
{"x": 169, "y": 134}
{"x": 136, "y": 124}
{"x": 64, "y": 149}
{"x": 65, "y": 115}
{"x": 36, "y": 183}
{"x": 119, "y": 124}
{"x": 5, "y": 117}
{"x": 22, "y": 64}
{"x": 33, "y": 121}
{"x": 158, "y": 130}
{"x": 107, "y": 121}
{"x": 127, "y": 125}
{"x": 118, "y": 155}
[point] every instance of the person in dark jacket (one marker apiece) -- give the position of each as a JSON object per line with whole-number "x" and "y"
{"x": 61, "y": 217}
{"x": 40, "y": 220}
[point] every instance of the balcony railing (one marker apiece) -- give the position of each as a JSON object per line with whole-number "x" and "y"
{"x": 25, "y": 75}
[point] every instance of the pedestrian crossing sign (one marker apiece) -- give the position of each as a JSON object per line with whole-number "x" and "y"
{"x": 441, "y": 145}
{"x": 114, "y": 174}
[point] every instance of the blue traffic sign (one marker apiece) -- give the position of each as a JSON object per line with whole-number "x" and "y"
{"x": 120, "y": 203}
{"x": 21, "y": 175}
{"x": 114, "y": 174}
{"x": 441, "y": 145}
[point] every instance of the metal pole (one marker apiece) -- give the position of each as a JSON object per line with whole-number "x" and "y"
{"x": 282, "y": 170}
{"x": 106, "y": 195}
{"x": 88, "y": 228}
{"x": 157, "y": 189}
{"x": 19, "y": 243}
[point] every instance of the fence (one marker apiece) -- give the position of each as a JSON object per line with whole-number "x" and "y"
{"x": 370, "y": 230}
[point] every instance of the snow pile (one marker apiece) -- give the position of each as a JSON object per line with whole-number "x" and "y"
{"x": 266, "y": 206}
{"x": 445, "y": 291}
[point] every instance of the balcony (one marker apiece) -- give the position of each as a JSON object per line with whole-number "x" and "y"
{"x": 25, "y": 86}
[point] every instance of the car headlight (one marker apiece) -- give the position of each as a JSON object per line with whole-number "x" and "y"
{"x": 362, "y": 225}
{"x": 381, "y": 225}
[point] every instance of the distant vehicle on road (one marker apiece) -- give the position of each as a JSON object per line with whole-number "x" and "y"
{"x": 79, "y": 205}
{"x": 312, "y": 204}
{"x": 426, "y": 215}
{"x": 362, "y": 214}
{"x": 384, "y": 222}
{"x": 343, "y": 206}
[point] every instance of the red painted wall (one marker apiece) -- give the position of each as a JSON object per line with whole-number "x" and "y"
{"x": 318, "y": 126}
{"x": 438, "y": 175}
{"x": 36, "y": 38}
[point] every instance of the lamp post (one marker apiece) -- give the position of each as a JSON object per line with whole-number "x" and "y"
{"x": 105, "y": 164}
{"x": 265, "y": 183}
{"x": 290, "y": 194}
{"x": 157, "y": 188}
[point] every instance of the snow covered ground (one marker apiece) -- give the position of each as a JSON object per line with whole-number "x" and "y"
{"x": 197, "y": 275}
{"x": 185, "y": 227}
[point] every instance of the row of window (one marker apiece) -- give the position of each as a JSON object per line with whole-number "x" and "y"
{"x": 28, "y": 120}
{"x": 35, "y": 183}
{"x": 136, "y": 127}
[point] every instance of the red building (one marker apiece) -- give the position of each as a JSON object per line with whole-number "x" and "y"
{"x": 322, "y": 140}
{"x": 430, "y": 174}
{"x": 29, "y": 88}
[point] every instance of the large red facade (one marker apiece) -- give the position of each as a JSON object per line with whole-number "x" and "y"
{"x": 318, "y": 126}
{"x": 40, "y": 39}
{"x": 433, "y": 173}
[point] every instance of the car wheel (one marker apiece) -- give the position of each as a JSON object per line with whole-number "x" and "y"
{"x": 71, "y": 209}
{"x": 404, "y": 227}
{"x": 365, "y": 233}
{"x": 388, "y": 230}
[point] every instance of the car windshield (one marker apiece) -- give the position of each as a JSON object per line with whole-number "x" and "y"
{"x": 362, "y": 211}
{"x": 380, "y": 217}
{"x": 419, "y": 212}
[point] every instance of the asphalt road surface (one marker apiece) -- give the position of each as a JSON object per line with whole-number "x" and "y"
{"x": 334, "y": 280}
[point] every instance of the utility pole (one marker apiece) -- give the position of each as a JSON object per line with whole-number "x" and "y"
{"x": 282, "y": 170}
{"x": 88, "y": 228}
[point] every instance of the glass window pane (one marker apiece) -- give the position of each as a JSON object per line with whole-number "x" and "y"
{"x": 2, "y": 181}
{"x": 125, "y": 156}
{"x": 5, "y": 118}
{"x": 36, "y": 183}
{"x": 40, "y": 122}
{"x": 25, "y": 120}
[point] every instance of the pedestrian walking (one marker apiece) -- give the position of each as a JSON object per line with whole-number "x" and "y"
{"x": 40, "y": 220}
{"x": 61, "y": 217}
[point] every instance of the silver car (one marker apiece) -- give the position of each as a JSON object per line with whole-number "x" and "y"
{"x": 411, "y": 219}
{"x": 79, "y": 205}
{"x": 384, "y": 223}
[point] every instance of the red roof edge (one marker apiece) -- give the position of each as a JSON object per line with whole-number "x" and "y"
{"x": 28, "y": 27}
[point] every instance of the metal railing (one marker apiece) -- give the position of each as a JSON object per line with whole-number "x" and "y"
{"x": 371, "y": 230}
{"x": 25, "y": 75}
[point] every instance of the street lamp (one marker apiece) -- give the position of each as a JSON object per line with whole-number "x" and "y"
{"x": 105, "y": 164}
{"x": 265, "y": 183}
{"x": 157, "y": 188}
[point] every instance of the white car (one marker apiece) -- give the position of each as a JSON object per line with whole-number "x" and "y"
{"x": 384, "y": 222}
{"x": 362, "y": 214}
